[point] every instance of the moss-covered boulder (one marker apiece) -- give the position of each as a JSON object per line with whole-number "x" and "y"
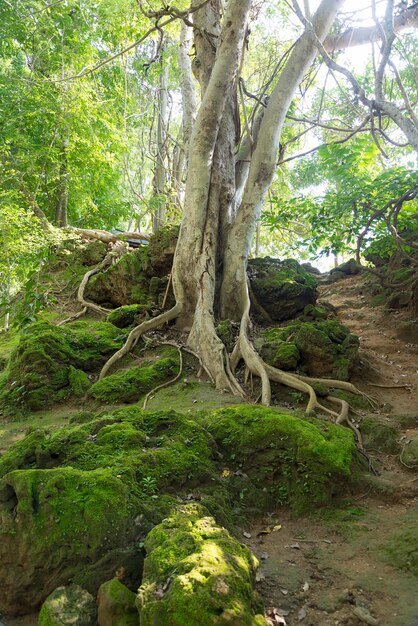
{"x": 128, "y": 315}
{"x": 68, "y": 606}
{"x": 274, "y": 458}
{"x": 93, "y": 253}
{"x": 55, "y": 525}
{"x": 318, "y": 348}
{"x": 282, "y": 288}
{"x": 196, "y": 573}
{"x": 378, "y": 435}
{"x": 140, "y": 277}
{"x": 348, "y": 268}
{"x": 75, "y": 504}
{"x": 410, "y": 453}
{"x": 39, "y": 369}
{"x": 129, "y": 385}
{"x": 116, "y": 605}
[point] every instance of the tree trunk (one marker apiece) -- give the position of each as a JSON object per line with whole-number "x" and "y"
{"x": 61, "y": 217}
{"x": 160, "y": 174}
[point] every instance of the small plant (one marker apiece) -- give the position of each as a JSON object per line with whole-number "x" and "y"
{"x": 149, "y": 485}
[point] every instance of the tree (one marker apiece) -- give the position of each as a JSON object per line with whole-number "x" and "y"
{"x": 222, "y": 201}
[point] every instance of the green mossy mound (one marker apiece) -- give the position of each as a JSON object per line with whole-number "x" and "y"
{"x": 282, "y": 288}
{"x": 196, "y": 573}
{"x": 320, "y": 348}
{"x": 39, "y": 369}
{"x": 54, "y": 526}
{"x": 93, "y": 253}
{"x": 273, "y": 458}
{"x": 75, "y": 504}
{"x": 129, "y": 385}
{"x": 78, "y": 502}
{"x": 128, "y": 315}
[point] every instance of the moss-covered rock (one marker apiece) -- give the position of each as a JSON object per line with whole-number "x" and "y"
{"x": 276, "y": 458}
{"x": 196, "y": 573}
{"x": 78, "y": 381}
{"x": 348, "y": 268}
{"x": 128, "y": 315}
{"x": 75, "y": 503}
{"x": 378, "y": 435}
{"x": 282, "y": 288}
{"x": 54, "y": 526}
{"x": 68, "y": 606}
{"x": 129, "y": 385}
{"x": 39, "y": 369}
{"x": 320, "y": 348}
{"x": 116, "y": 605}
{"x": 93, "y": 253}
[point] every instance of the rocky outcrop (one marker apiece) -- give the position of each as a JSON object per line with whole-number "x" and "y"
{"x": 281, "y": 288}
{"x": 116, "y": 605}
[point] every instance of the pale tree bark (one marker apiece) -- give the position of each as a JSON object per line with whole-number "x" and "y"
{"x": 61, "y": 215}
{"x": 264, "y": 160}
{"x": 160, "y": 172}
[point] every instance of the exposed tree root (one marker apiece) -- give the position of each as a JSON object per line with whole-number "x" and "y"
{"x": 137, "y": 332}
{"x": 111, "y": 258}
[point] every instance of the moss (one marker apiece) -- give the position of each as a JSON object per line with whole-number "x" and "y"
{"x": 196, "y": 573}
{"x": 320, "y": 348}
{"x": 78, "y": 381}
{"x": 354, "y": 400}
{"x": 314, "y": 313}
{"x": 67, "y": 606}
{"x": 280, "y": 354}
{"x": 116, "y": 604}
{"x": 282, "y": 288}
{"x": 401, "y": 550}
{"x": 378, "y": 435}
{"x": 226, "y": 333}
{"x": 125, "y": 316}
{"x": 285, "y": 459}
{"x": 38, "y": 372}
{"x": 93, "y": 253}
{"x": 129, "y": 385}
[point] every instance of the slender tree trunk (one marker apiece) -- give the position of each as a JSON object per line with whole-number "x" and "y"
{"x": 61, "y": 217}
{"x": 160, "y": 173}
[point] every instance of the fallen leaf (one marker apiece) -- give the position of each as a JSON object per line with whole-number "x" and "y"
{"x": 296, "y": 546}
{"x": 264, "y": 556}
{"x": 276, "y": 528}
{"x": 248, "y": 535}
{"x": 305, "y": 587}
{"x": 284, "y": 591}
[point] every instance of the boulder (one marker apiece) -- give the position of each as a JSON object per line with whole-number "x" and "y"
{"x": 349, "y": 268}
{"x": 68, "y": 606}
{"x": 93, "y": 253}
{"x": 410, "y": 453}
{"x": 318, "y": 348}
{"x": 195, "y": 572}
{"x": 282, "y": 288}
{"x": 116, "y": 605}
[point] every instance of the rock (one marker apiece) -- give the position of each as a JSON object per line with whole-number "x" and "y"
{"x": 116, "y": 605}
{"x": 378, "y": 435}
{"x": 68, "y": 606}
{"x": 408, "y": 331}
{"x": 93, "y": 253}
{"x": 334, "y": 276}
{"x": 195, "y": 572}
{"x": 282, "y": 288}
{"x": 410, "y": 452}
{"x": 364, "y": 616}
{"x": 311, "y": 269}
{"x": 128, "y": 315}
{"x": 319, "y": 348}
{"x": 398, "y": 300}
{"x": 349, "y": 268}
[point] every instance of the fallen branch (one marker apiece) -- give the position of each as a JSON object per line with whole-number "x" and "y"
{"x": 105, "y": 236}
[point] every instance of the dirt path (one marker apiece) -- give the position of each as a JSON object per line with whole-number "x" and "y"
{"x": 340, "y": 568}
